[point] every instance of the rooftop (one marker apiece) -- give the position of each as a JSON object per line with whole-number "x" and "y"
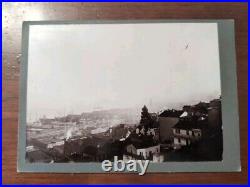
{"x": 143, "y": 145}
{"x": 171, "y": 113}
{"x": 187, "y": 124}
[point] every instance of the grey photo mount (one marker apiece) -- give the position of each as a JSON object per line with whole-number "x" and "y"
{"x": 230, "y": 117}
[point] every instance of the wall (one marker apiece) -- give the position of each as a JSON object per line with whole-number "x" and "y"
{"x": 166, "y": 124}
{"x": 131, "y": 149}
{"x": 145, "y": 152}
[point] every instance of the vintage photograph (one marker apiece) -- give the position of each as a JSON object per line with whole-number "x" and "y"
{"x": 140, "y": 91}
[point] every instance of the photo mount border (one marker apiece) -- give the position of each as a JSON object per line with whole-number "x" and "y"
{"x": 230, "y": 117}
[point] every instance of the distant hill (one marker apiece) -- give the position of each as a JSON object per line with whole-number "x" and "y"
{"x": 125, "y": 115}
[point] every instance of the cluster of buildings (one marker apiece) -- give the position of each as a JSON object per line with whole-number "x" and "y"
{"x": 191, "y": 124}
{"x": 195, "y": 130}
{"x": 67, "y": 145}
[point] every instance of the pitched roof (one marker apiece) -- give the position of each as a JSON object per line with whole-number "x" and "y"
{"x": 184, "y": 114}
{"x": 187, "y": 124}
{"x": 171, "y": 113}
{"x": 143, "y": 145}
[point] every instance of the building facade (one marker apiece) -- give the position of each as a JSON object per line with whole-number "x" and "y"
{"x": 143, "y": 152}
{"x": 167, "y": 120}
{"x": 186, "y": 132}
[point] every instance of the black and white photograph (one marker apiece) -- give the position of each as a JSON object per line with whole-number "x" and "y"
{"x": 135, "y": 91}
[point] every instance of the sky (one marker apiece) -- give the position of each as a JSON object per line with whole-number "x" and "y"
{"x": 81, "y": 68}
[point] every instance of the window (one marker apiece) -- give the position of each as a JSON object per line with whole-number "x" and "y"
{"x": 150, "y": 153}
{"x": 179, "y": 140}
{"x": 177, "y": 131}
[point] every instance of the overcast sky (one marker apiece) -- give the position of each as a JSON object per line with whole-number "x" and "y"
{"x": 79, "y": 68}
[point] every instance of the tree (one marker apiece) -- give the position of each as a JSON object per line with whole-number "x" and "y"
{"x": 145, "y": 117}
